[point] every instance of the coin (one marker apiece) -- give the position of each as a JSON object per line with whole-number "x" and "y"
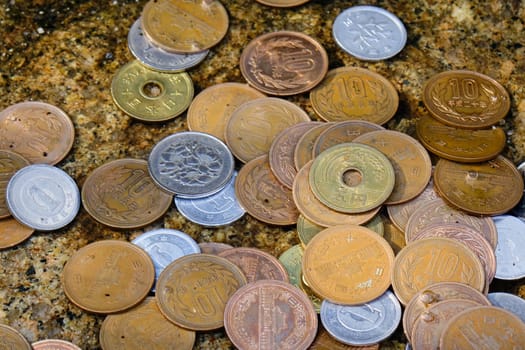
{"x": 519, "y": 210}
{"x": 10, "y": 338}
{"x": 143, "y": 327}
{"x": 304, "y": 147}
{"x": 270, "y": 314}
{"x": 122, "y": 194}
{"x": 509, "y": 251}
{"x": 284, "y": 63}
{"x": 283, "y": 3}
{"x": 38, "y": 131}
{"x": 108, "y": 276}
{"x": 43, "y": 197}
{"x": 254, "y": 125}
{"x": 369, "y": 33}
{"x": 213, "y": 247}
{"x": 185, "y": 26}
{"x": 509, "y": 302}
{"x": 306, "y": 230}
{"x": 193, "y": 290}
{"x": 151, "y": 96}
{"x": 324, "y": 341}
{"x": 54, "y": 344}
{"x": 10, "y": 162}
{"x": 392, "y": 234}
{"x": 353, "y": 93}
{"x": 12, "y": 233}
{"x": 352, "y": 178}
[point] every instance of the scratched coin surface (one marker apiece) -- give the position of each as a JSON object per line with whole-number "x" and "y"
{"x": 10, "y": 338}
{"x": 108, "y": 276}
{"x": 54, "y": 344}
{"x": 284, "y": 63}
{"x": 38, "y": 131}
{"x": 10, "y": 163}
{"x": 12, "y": 233}
{"x": 122, "y": 194}
{"x": 303, "y": 152}
{"x": 270, "y": 314}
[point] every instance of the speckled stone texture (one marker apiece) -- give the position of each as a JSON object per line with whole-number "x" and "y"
{"x": 66, "y": 53}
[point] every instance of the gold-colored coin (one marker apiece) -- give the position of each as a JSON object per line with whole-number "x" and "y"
{"x": 306, "y": 230}
{"x": 151, "y": 96}
{"x": 466, "y": 99}
{"x": 303, "y": 149}
{"x": 352, "y": 178}
{"x": 10, "y": 162}
{"x": 184, "y": 26}
{"x": 12, "y": 233}
{"x": 10, "y": 338}
{"x": 489, "y": 188}
{"x": 393, "y": 235}
{"x": 348, "y": 264}
{"x": 351, "y": 93}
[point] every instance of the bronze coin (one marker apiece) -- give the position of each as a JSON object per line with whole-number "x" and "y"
{"x": 10, "y": 162}
{"x": 38, "y": 131}
{"x": 213, "y": 247}
{"x": 283, "y": 3}
{"x": 10, "y": 338}
{"x": 12, "y": 233}
{"x": 108, "y": 276}
{"x": 54, "y": 344}
{"x": 284, "y": 63}
{"x": 122, "y": 194}
{"x": 304, "y": 148}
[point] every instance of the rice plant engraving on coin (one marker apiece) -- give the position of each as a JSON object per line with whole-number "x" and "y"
{"x": 10, "y": 163}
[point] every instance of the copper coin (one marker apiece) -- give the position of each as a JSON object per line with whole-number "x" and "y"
{"x": 304, "y": 148}
{"x": 324, "y": 341}
{"x": 256, "y": 264}
{"x": 353, "y": 93}
{"x": 10, "y": 162}
{"x": 270, "y": 314}
{"x": 122, "y": 194}
{"x": 284, "y": 63}
{"x": 38, "y": 131}
{"x": 10, "y": 338}
{"x": 393, "y": 235}
{"x": 262, "y": 196}
{"x": 213, "y": 247}
{"x": 283, "y": 3}
{"x": 465, "y": 99}
{"x": 54, "y": 344}
{"x": 143, "y": 327}
{"x": 12, "y": 233}
{"x": 193, "y": 290}
{"x": 489, "y": 188}
{"x": 108, "y": 276}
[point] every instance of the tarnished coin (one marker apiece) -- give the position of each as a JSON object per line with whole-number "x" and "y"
{"x": 303, "y": 152}
{"x": 263, "y": 197}
{"x": 54, "y": 344}
{"x": 43, "y": 197}
{"x": 393, "y": 235}
{"x": 213, "y": 247}
{"x": 185, "y": 26}
{"x": 284, "y": 63}
{"x": 108, "y": 276}
{"x": 191, "y": 164}
{"x": 193, "y": 290}
{"x": 465, "y": 99}
{"x": 283, "y": 3}
{"x": 353, "y": 93}
{"x": 270, "y": 314}
{"x": 489, "y": 188}
{"x": 254, "y": 125}
{"x": 369, "y": 33}
{"x": 509, "y": 302}
{"x": 10, "y": 338}
{"x": 306, "y": 230}
{"x": 149, "y": 95}
{"x": 510, "y": 252}
{"x": 12, "y": 233}
{"x": 10, "y": 163}
{"x": 38, "y": 131}
{"x": 324, "y": 341}
{"x": 348, "y": 264}
{"x": 143, "y": 327}
{"x": 122, "y": 194}
{"x": 352, "y": 178}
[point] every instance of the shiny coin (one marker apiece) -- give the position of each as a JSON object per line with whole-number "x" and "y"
{"x": 149, "y": 95}
{"x": 54, "y": 344}
{"x": 324, "y": 341}
{"x": 465, "y": 99}
{"x": 10, "y": 162}
{"x": 12, "y": 233}
{"x": 38, "y": 131}
{"x": 369, "y": 33}
{"x": 191, "y": 164}
{"x": 122, "y": 194}
{"x": 303, "y": 152}
{"x": 43, "y": 197}
{"x": 213, "y": 247}
{"x": 509, "y": 302}
{"x": 284, "y": 63}
{"x": 510, "y": 252}
{"x": 10, "y": 338}
{"x": 283, "y": 3}
{"x": 270, "y": 314}
{"x": 108, "y": 276}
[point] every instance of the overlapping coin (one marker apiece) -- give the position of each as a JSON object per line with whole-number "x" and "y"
{"x": 54, "y": 344}
{"x": 10, "y": 163}
{"x": 12, "y": 233}
{"x": 10, "y": 338}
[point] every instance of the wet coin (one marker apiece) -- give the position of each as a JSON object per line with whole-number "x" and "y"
{"x": 149, "y": 95}
{"x": 12, "y": 233}
{"x": 10, "y": 338}
{"x": 284, "y": 63}
{"x": 193, "y": 290}
{"x": 510, "y": 252}
{"x": 254, "y": 125}
{"x": 392, "y": 234}
{"x": 283, "y": 3}
{"x": 10, "y": 162}
{"x": 185, "y": 26}
{"x": 353, "y": 93}
{"x": 465, "y": 99}
{"x": 122, "y": 194}
{"x": 54, "y": 344}
{"x": 509, "y": 302}
{"x": 43, "y": 197}
{"x": 324, "y": 341}
{"x": 38, "y": 131}
{"x": 304, "y": 148}
{"x": 191, "y": 164}
{"x": 213, "y": 247}
{"x": 108, "y": 276}
{"x": 352, "y": 178}
{"x": 141, "y": 327}
{"x": 270, "y": 314}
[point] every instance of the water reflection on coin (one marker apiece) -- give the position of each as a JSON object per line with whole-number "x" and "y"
{"x": 10, "y": 162}
{"x": 54, "y": 344}
{"x": 10, "y": 338}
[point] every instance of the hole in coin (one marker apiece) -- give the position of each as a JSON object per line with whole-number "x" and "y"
{"x": 352, "y": 177}
{"x": 152, "y": 89}
{"x": 44, "y": 154}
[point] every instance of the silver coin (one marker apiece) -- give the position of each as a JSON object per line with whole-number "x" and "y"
{"x": 219, "y": 209}
{"x": 156, "y": 58}
{"x": 365, "y": 324}
{"x": 369, "y": 33}
{"x": 191, "y": 164}
{"x": 510, "y": 250}
{"x": 509, "y": 302}
{"x": 519, "y": 209}
{"x": 43, "y": 197}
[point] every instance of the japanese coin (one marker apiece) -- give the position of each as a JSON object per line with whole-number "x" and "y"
{"x": 213, "y": 247}
{"x": 122, "y": 194}
{"x": 510, "y": 252}
{"x": 12, "y": 233}
{"x": 509, "y": 302}
{"x": 284, "y": 63}
{"x": 38, "y": 131}
{"x": 306, "y": 230}
{"x": 10, "y": 338}
{"x": 149, "y": 95}
{"x": 519, "y": 210}
{"x": 324, "y": 341}
{"x": 54, "y": 344}
{"x": 10, "y": 162}
{"x": 393, "y": 235}
{"x": 283, "y": 3}
{"x": 303, "y": 152}
{"x": 43, "y": 197}
{"x": 465, "y": 99}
